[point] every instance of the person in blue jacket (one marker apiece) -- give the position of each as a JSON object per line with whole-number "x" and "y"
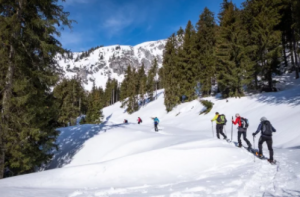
{"x": 266, "y": 129}
{"x": 156, "y": 121}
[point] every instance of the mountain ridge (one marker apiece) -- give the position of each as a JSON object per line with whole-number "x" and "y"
{"x": 101, "y": 63}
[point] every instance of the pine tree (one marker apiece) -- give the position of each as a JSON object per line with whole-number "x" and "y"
{"x": 187, "y": 61}
{"x": 151, "y": 80}
{"x": 132, "y": 104}
{"x": 205, "y": 44}
{"x": 142, "y": 83}
{"x": 28, "y": 50}
{"x": 171, "y": 74}
{"x": 234, "y": 67}
{"x": 95, "y": 105}
{"x": 124, "y": 90}
{"x": 71, "y": 99}
{"x": 265, "y": 36}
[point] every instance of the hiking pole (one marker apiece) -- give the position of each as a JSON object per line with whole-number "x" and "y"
{"x": 231, "y": 127}
{"x": 254, "y": 148}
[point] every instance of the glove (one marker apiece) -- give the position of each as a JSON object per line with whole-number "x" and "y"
{"x": 253, "y": 134}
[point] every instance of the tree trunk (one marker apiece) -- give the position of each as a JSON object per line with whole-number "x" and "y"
{"x": 5, "y": 108}
{"x": 283, "y": 50}
{"x": 255, "y": 76}
{"x": 296, "y": 58}
{"x": 292, "y": 55}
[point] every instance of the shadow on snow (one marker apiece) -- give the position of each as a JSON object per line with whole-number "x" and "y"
{"x": 71, "y": 140}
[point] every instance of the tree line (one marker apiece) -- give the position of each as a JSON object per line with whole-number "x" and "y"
{"x": 243, "y": 51}
{"x": 72, "y": 101}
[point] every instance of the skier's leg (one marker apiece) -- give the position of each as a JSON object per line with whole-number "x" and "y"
{"x": 269, "y": 143}
{"x": 221, "y": 131}
{"x": 218, "y": 130}
{"x": 245, "y": 139}
{"x": 260, "y": 142}
{"x": 239, "y": 138}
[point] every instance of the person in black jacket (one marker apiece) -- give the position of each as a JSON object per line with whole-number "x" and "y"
{"x": 266, "y": 129}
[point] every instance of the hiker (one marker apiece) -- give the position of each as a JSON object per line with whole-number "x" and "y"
{"x": 242, "y": 130}
{"x": 220, "y": 122}
{"x": 139, "y": 120}
{"x": 266, "y": 129}
{"x": 125, "y": 121}
{"x": 156, "y": 121}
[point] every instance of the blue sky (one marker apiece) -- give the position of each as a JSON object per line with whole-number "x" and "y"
{"x": 129, "y": 22}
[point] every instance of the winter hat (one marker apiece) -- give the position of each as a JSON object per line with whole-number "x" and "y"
{"x": 263, "y": 119}
{"x": 217, "y": 112}
{"x": 237, "y": 115}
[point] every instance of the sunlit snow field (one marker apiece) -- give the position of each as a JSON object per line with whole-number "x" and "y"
{"x": 182, "y": 159}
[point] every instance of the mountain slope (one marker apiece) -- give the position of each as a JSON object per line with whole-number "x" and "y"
{"x": 111, "y": 61}
{"x": 182, "y": 159}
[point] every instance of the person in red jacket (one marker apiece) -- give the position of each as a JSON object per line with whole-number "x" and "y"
{"x": 139, "y": 120}
{"x": 241, "y": 131}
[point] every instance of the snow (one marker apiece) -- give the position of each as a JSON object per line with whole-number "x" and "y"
{"x": 182, "y": 159}
{"x": 100, "y": 76}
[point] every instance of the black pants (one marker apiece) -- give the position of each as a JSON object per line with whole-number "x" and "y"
{"x": 219, "y": 128}
{"x": 155, "y": 127}
{"x": 244, "y": 133}
{"x": 269, "y": 141}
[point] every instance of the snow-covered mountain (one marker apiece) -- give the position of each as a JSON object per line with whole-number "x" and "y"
{"x": 182, "y": 159}
{"x": 111, "y": 61}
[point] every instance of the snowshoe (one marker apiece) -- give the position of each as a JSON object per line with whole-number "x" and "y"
{"x": 259, "y": 155}
{"x": 273, "y": 162}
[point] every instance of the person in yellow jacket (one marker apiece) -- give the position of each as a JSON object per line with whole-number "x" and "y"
{"x": 220, "y": 120}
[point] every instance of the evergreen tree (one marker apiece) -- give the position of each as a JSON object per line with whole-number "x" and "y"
{"x": 71, "y": 98}
{"x": 265, "y": 36}
{"x": 205, "y": 44}
{"x": 27, "y": 60}
{"x": 124, "y": 90}
{"x": 95, "y": 105}
{"x": 187, "y": 61}
{"x": 171, "y": 74}
{"x": 234, "y": 67}
{"x": 151, "y": 81}
{"x": 142, "y": 83}
{"x": 132, "y": 104}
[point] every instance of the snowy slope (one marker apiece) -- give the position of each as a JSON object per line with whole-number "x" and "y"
{"x": 182, "y": 159}
{"x": 111, "y": 61}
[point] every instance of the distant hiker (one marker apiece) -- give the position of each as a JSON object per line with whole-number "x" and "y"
{"x": 266, "y": 129}
{"x": 242, "y": 129}
{"x": 221, "y": 121}
{"x": 139, "y": 120}
{"x": 125, "y": 121}
{"x": 156, "y": 122}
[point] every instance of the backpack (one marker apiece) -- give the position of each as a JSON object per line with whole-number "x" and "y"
{"x": 222, "y": 119}
{"x": 244, "y": 123}
{"x": 266, "y": 128}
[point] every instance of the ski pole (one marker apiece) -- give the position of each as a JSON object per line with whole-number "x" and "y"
{"x": 231, "y": 127}
{"x": 254, "y": 148}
